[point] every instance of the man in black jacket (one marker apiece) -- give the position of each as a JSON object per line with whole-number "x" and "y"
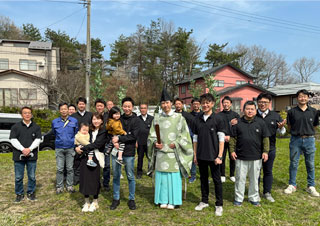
{"x": 145, "y": 124}
{"x": 25, "y": 137}
{"x": 82, "y": 116}
{"x": 227, "y": 114}
{"x": 130, "y": 123}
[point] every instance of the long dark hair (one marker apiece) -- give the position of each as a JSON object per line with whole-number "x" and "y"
{"x": 112, "y": 111}
{"x": 98, "y": 116}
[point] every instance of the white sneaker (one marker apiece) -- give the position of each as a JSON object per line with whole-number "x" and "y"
{"x": 170, "y": 207}
{"x": 94, "y": 206}
{"x": 201, "y": 206}
{"x": 269, "y": 197}
{"x": 86, "y": 207}
{"x": 313, "y": 192}
{"x": 121, "y": 177}
{"x": 164, "y": 206}
{"x": 223, "y": 179}
{"x": 233, "y": 179}
{"x": 290, "y": 189}
{"x": 219, "y": 211}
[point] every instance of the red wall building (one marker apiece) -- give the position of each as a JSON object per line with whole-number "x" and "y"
{"x": 230, "y": 81}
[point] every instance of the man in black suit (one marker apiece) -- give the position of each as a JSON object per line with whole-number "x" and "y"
{"x": 82, "y": 116}
{"x": 146, "y": 121}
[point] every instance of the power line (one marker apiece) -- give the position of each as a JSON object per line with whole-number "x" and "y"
{"x": 72, "y": 2}
{"x": 84, "y": 16}
{"x": 58, "y": 21}
{"x": 256, "y": 16}
{"x": 238, "y": 18}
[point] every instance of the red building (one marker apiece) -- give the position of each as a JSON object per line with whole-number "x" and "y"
{"x": 230, "y": 81}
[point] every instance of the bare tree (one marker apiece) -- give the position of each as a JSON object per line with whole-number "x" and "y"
{"x": 304, "y": 68}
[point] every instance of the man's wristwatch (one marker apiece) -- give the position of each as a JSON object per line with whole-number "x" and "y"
{"x": 219, "y": 158}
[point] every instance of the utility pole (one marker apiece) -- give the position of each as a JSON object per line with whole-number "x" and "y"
{"x": 88, "y": 56}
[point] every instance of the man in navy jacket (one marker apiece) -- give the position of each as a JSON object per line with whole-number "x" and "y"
{"x": 64, "y": 128}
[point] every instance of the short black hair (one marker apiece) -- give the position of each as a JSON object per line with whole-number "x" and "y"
{"x": 25, "y": 107}
{"x": 100, "y": 100}
{"x": 62, "y": 104}
{"x": 177, "y": 99}
{"x": 143, "y": 104}
{"x": 84, "y": 124}
{"x": 82, "y": 99}
{"x": 72, "y": 105}
{"x": 207, "y": 96}
{"x": 227, "y": 98}
{"x": 249, "y": 102}
{"x": 112, "y": 111}
{"x": 264, "y": 95}
{"x": 127, "y": 99}
{"x": 303, "y": 91}
{"x": 196, "y": 99}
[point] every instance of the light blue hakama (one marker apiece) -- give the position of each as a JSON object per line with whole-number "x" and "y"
{"x": 168, "y": 188}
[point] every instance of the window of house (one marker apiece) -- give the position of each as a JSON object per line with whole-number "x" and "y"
{"x": 240, "y": 82}
{"x": 183, "y": 89}
{"x": 294, "y": 101}
{"x": 28, "y": 94}
{"x": 8, "y": 97}
{"x": 219, "y": 83}
{"x": 28, "y": 65}
{"x": 4, "y": 64}
{"x": 236, "y": 106}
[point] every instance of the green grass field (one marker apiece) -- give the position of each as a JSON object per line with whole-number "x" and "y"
{"x": 65, "y": 209}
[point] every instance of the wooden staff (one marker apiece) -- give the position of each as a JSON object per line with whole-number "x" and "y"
{"x": 157, "y": 128}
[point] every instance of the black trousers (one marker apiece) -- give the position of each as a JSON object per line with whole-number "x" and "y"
{"x": 76, "y": 169}
{"x": 267, "y": 172}
{"x": 216, "y": 176}
{"x": 231, "y": 161}
{"x": 142, "y": 149}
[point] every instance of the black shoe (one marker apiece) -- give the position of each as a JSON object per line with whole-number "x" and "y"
{"x": 139, "y": 175}
{"x": 31, "y": 197}
{"x": 132, "y": 205}
{"x": 115, "y": 204}
{"x": 107, "y": 188}
{"x": 19, "y": 198}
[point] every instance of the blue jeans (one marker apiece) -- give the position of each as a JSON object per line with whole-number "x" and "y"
{"x": 19, "y": 174}
{"x": 129, "y": 168}
{"x": 299, "y": 145}
{"x": 106, "y": 171}
{"x": 64, "y": 157}
{"x": 193, "y": 170}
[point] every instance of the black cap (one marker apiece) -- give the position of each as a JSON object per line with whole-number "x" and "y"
{"x": 165, "y": 95}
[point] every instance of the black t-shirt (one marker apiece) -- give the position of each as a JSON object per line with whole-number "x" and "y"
{"x": 208, "y": 142}
{"x": 249, "y": 135}
{"x": 25, "y": 135}
{"x": 303, "y": 122}
{"x": 227, "y": 117}
{"x": 271, "y": 120}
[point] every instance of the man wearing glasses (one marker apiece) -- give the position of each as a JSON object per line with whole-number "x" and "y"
{"x": 274, "y": 124}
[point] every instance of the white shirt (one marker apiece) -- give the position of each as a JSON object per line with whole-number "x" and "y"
{"x": 82, "y": 113}
{"x": 144, "y": 117}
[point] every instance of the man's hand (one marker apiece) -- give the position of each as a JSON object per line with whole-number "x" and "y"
{"x": 172, "y": 146}
{"x": 26, "y": 151}
{"x": 159, "y": 146}
{"x": 281, "y": 124}
{"x": 265, "y": 157}
{"x": 115, "y": 139}
{"x": 217, "y": 161}
{"x": 195, "y": 159}
{"x": 116, "y": 145}
{"x": 78, "y": 150}
{"x": 227, "y": 138}
{"x": 234, "y": 121}
{"x": 234, "y": 155}
{"x": 136, "y": 144}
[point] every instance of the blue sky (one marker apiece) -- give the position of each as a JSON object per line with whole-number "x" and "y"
{"x": 112, "y": 18}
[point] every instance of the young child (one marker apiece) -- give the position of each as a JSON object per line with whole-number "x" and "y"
{"x": 83, "y": 138}
{"x": 114, "y": 128}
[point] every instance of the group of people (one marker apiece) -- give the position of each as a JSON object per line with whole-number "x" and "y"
{"x": 175, "y": 143}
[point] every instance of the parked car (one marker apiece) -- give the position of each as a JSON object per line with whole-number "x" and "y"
{"x": 7, "y": 120}
{"x": 47, "y": 142}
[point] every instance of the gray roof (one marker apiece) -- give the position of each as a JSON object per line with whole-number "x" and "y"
{"x": 290, "y": 89}
{"x": 213, "y": 70}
